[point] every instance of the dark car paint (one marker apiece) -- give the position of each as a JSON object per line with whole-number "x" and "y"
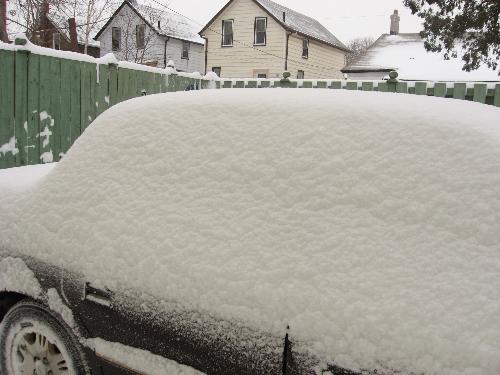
{"x": 187, "y": 337}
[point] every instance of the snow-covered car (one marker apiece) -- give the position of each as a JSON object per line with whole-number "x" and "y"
{"x": 259, "y": 232}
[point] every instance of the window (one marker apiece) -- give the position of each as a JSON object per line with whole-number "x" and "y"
{"x": 260, "y": 31}
{"x": 300, "y": 74}
{"x": 262, "y": 75}
{"x": 140, "y": 31}
{"x": 227, "y": 33}
{"x": 185, "y": 50}
{"x": 217, "y": 70}
{"x": 56, "y": 41}
{"x": 305, "y": 48}
{"x": 116, "y": 38}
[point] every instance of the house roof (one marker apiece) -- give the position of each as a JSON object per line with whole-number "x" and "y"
{"x": 294, "y": 21}
{"x": 171, "y": 25}
{"x": 406, "y": 54}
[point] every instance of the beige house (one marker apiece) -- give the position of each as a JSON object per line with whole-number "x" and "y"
{"x": 262, "y": 39}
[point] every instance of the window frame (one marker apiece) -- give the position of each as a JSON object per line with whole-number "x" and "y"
{"x": 184, "y": 44}
{"x": 214, "y": 70}
{"x": 119, "y": 47}
{"x": 143, "y": 44}
{"x": 303, "y": 74}
{"x": 255, "y": 31}
{"x": 223, "y": 33}
{"x": 56, "y": 39}
{"x": 305, "y": 48}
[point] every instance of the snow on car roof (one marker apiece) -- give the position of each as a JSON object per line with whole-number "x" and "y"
{"x": 368, "y": 222}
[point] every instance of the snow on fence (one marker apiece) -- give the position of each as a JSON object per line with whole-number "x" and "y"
{"x": 486, "y": 93}
{"x": 48, "y": 97}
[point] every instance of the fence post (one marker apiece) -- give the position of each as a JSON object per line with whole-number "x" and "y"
{"x": 392, "y": 82}
{"x": 21, "y": 101}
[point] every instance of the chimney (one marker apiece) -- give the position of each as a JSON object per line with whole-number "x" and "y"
{"x": 73, "y": 35}
{"x": 3, "y": 21}
{"x": 284, "y": 17}
{"x": 395, "y": 23}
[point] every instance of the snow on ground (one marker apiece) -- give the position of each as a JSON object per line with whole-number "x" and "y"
{"x": 139, "y": 360}
{"x": 368, "y": 222}
{"x": 21, "y": 178}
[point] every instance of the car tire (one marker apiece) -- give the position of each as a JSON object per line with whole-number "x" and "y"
{"x": 34, "y": 341}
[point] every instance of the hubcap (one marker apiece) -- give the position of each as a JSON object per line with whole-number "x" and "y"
{"x": 34, "y": 354}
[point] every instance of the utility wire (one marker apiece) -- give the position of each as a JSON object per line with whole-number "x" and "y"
{"x": 300, "y": 63}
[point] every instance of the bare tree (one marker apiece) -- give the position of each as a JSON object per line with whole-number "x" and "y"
{"x": 90, "y": 15}
{"x": 138, "y": 37}
{"x": 358, "y": 47}
{"x": 26, "y": 13}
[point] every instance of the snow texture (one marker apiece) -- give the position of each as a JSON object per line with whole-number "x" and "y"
{"x": 57, "y": 305}
{"x": 368, "y": 222}
{"x": 406, "y": 54}
{"x": 15, "y": 276}
{"x": 139, "y": 360}
{"x": 20, "y": 178}
{"x": 300, "y": 23}
{"x": 9, "y": 147}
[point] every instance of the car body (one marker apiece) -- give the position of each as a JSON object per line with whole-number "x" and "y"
{"x": 227, "y": 230}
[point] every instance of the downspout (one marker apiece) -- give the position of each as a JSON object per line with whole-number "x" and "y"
{"x": 287, "y": 40}
{"x": 206, "y": 54}
{"x": 165, "y": 53}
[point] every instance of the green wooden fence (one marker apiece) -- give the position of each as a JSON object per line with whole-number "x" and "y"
{"x": 47, "y": 102}
{"x": 477, "y": 92}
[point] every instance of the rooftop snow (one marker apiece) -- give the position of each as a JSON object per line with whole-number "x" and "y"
{"x": 301, "y": 23}
{"x": 406, "y": 54}
{"x": 61, "y": 23}
{"x": 368, "y": 222}
{"x": 172, "y": 25}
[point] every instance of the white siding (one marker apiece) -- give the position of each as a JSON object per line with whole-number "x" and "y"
{"x": 196, "y": 61}
{"x": 242, "y": 60}
{"x": 154, "y": 50}
{"x": 324, "y": 61}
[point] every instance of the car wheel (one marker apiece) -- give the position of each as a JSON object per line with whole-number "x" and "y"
{"x": 33, "y": 341}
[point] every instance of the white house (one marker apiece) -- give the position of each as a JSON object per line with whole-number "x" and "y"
{"x": 151, "y": 36}
{"x": 406, "y": 54}
{"x": 262, "y": 39}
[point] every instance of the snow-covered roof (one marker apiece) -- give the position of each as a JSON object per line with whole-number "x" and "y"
{"x": 294, "y": 21}
{"x": 406, "y": 54}
{"x": 368, "y": 222}
{"x": 171, "y": 24}
{"x": 301, "y": 23}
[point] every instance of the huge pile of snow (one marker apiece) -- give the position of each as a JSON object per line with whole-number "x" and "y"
{"x": 368, "y": 222}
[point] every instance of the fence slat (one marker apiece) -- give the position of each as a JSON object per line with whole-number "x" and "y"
{"x": 480, "y": 90}
{"x": 496, "y": 98}
{"x": 459, "y": 91}
{"x": 336, "y": 85}
{"x": 351, "y": 85}
{"x": 21, "y": 104}
{"x": 75, "y": 94}
{"x": 383, "y": 87}
{"x": 32, "y": 128}
{"x": 7, "y": 92}
{"x": 65, "y": 123}
{"x": 402, "y": 87}
{"x": 55, "y": 107}
{"x": 420, "y": 88}
{"x": 367, "y": 86}
{"x": 440, "y": 89}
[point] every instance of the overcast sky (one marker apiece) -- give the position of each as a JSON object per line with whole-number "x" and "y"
{"x": 346, "y": 19}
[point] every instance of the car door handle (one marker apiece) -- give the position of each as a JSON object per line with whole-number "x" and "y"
{"x": 98, "y": 295}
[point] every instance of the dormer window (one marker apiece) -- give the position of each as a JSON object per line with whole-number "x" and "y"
{"x": 305, "y": 48}
{"x": 227, "y": 33}
{"x": 260, "y": 31}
